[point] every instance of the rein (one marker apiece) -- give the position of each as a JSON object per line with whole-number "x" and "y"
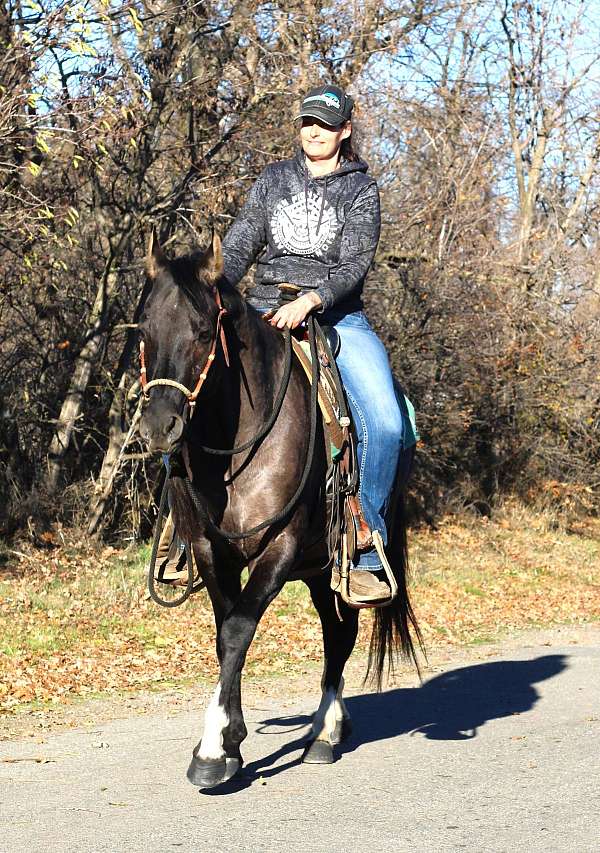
{"x": 193, "y": 395}
{"x": 314, "y": 412}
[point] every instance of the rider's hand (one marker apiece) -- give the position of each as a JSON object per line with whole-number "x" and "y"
{"x": 290, "y": 316}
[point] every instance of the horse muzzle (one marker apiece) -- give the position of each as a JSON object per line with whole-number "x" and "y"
{"x": 162, "y": 430}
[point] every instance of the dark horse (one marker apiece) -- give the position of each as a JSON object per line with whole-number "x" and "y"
{"x": 212, "y": 495}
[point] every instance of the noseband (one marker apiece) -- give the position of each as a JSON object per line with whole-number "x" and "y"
{"x": 190, "y": 395}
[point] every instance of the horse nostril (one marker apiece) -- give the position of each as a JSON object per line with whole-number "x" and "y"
{"x": 175, "y": 428}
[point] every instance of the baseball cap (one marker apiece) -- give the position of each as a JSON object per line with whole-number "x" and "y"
{"x": 328, "y": 103}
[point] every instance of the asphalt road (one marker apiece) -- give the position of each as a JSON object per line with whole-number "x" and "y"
{"x": 493, "y": 754}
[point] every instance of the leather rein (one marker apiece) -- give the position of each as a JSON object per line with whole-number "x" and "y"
{"x": 192, "y": 396}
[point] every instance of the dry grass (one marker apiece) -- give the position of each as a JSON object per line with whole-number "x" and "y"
{"x": 477, "y": 579}
{"x": 74, "y": 621}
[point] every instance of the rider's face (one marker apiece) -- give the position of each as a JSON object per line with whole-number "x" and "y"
{"x": 320, "y": 141}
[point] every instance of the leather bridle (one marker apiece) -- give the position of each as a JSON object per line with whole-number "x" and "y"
{"x": 192, "y": 395}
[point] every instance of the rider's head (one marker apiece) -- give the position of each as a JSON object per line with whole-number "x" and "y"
{"x": 326, "y": 126}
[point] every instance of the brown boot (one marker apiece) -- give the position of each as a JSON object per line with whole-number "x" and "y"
{"x": 171, "y": 562}
{"x": 366, "y": 586}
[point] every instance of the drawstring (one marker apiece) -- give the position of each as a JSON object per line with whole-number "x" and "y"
{"x": 323, "y": 199}
{"x": 306, "y": 200}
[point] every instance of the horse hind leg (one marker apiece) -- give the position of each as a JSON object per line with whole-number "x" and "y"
{"x": 331, "y": 723}
{"x": 331, "y": 726}
{"x": 320, "y": 749}
{"x": 343, "y": 722}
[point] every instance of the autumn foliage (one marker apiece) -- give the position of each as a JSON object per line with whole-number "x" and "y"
{"x": 478, "y": 121}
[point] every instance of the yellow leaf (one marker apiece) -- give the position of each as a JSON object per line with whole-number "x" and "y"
{"x": 34, "y": 168}
{"x": 41, "y": 144}
{"x": 136, "y": 21}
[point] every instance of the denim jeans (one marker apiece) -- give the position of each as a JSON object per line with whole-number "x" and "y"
{"x": 367, "y": 378}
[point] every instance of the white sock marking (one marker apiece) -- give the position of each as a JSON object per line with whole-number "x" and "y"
{"x": 215, "y": 720}
{"x": 324, "y": 720}
{"x": 341, "y": 712}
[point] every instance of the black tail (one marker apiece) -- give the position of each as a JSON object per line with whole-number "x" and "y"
{"x": 395, "y": 625}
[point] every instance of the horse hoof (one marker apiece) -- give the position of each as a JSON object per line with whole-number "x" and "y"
{"x": 207, "y": 772}
{"x": 318, "y": 752}
{"x": 342, "y": 731}
{"x": 234, "y": 765}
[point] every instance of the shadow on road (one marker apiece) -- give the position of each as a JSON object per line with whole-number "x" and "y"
{"x": 451, "y": 706}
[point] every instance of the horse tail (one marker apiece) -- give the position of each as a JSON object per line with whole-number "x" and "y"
{"x": 395, "y": 627}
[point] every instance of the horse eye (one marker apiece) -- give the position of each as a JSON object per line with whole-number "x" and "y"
{"x": 203, "y": 334}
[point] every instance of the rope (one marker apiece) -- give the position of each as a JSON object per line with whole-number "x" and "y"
{"x": 277, "y": 404}
{"x": 164, "y": 602}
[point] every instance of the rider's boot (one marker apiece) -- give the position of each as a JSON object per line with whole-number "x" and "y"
{"x": 367, "y": 586}
{"x": 364, "y": 584}
{"x": 171, "y": 564}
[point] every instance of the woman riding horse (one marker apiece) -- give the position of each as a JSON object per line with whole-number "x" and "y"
{"x": 244, "y": 453}
{"x": 314, "y": 221}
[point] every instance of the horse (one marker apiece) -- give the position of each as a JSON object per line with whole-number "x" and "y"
{"x": 213, "y": 370}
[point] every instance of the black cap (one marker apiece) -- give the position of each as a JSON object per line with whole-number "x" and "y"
{"x": 328, "y": 103}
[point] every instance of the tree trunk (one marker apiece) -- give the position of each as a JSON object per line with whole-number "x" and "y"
{"x": 71, "y": 408}
{"x": 117, "y": 444}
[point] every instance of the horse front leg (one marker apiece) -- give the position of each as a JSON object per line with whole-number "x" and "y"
{"x": 217, "y": 757}
{"x": 331, "y": 722}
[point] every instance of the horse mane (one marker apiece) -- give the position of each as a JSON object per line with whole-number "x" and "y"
{"x": 189, "y": 277}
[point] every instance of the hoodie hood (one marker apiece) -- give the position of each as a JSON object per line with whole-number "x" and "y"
{"x": 345, "y": 167}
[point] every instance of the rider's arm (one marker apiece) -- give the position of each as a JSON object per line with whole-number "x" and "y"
{"x": 360, "y": 236}
{"x": 247, "y": 236}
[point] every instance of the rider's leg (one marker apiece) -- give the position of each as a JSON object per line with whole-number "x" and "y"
{"x": 367, "y": 376}
{"x": 171, "y": 558}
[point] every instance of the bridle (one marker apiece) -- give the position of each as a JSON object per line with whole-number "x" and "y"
{"x": 192, "y": 395}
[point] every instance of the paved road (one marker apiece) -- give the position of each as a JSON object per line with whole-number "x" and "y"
{"x": 500, "y": 754}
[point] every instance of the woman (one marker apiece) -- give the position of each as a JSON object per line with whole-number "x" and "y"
{"x": 314, "y": 221}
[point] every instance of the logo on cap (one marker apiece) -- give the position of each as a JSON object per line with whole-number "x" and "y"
{"x": 329, "y": 98}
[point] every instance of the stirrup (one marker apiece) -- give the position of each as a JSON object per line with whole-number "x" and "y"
{"x": 340, "y": 576}
{"x": 177, "y": 574}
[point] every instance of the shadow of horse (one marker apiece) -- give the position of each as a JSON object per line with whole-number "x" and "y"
{"x": 450, "y": 706}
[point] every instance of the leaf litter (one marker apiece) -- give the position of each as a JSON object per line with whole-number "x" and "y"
{"x": 74, "y": 622}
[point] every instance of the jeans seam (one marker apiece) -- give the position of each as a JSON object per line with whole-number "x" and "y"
{"x": 363, "y": 461}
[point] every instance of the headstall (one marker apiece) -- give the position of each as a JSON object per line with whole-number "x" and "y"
{"x": 190, "y": 395}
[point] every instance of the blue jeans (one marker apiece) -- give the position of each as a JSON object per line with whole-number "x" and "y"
{"x": 367, "y": 377}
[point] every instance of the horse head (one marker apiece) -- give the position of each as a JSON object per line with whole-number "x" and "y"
{"x": 180, "y": 330}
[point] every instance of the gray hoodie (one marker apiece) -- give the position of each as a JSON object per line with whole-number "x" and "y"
{"x": 320, "y": 233}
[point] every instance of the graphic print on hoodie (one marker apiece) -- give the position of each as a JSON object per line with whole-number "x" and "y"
{"x": 319, "y": 233}
{"x": 300, "y": 227}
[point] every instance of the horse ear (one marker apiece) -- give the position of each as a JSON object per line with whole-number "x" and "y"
{"x": 211, "y": 266}
{"x": 155, "y": 257}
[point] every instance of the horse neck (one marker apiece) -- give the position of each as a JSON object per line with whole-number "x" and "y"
{"x": 260, "y": 352}
{"x": 246, "y": 389}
